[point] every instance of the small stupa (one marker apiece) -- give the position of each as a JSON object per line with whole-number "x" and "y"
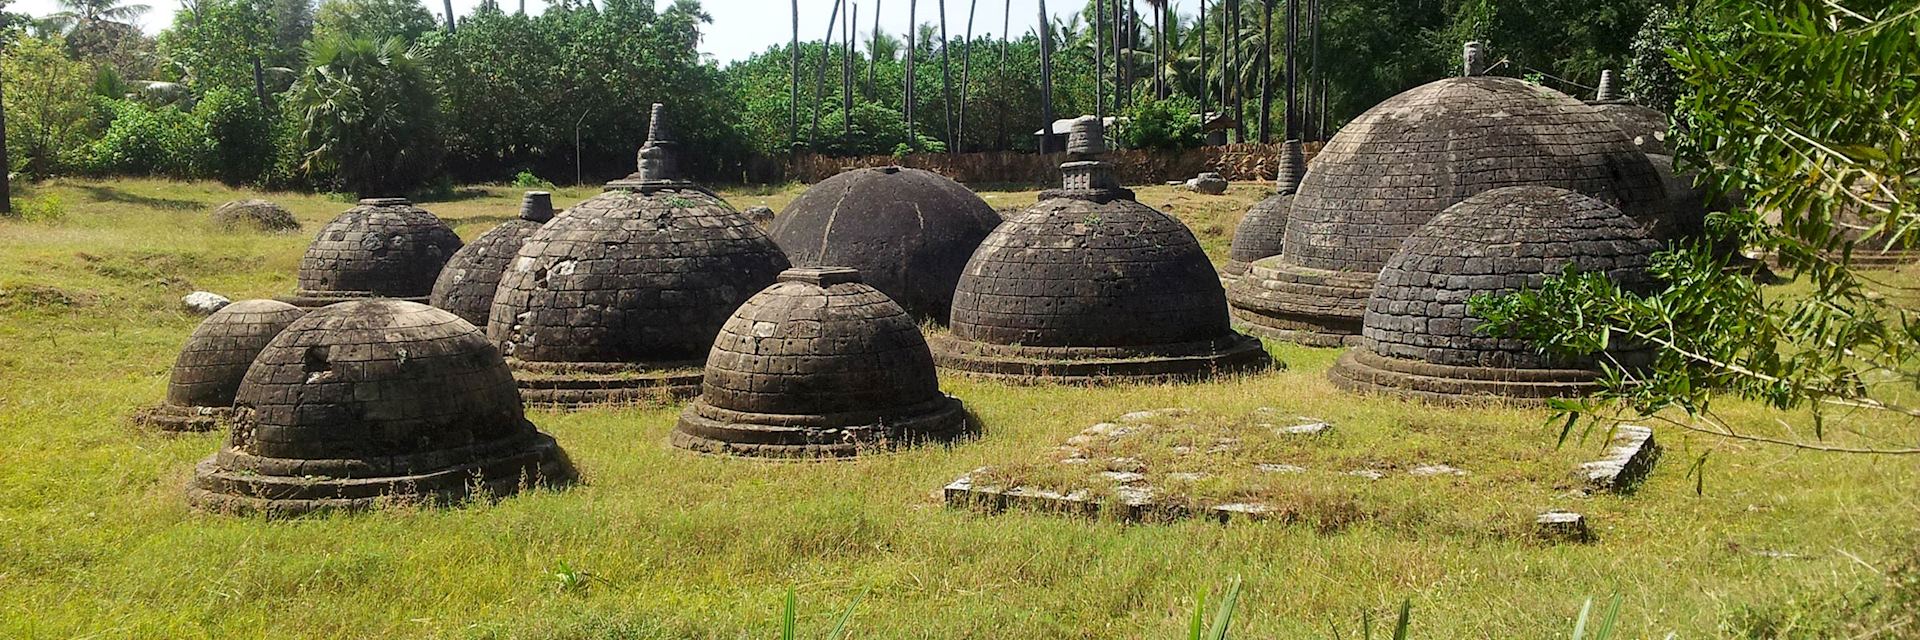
{"x": 212, "y": 363}
{"x": 467, "y": 284}
{"x": 1262, "y": 232}
{"x": 380, "y": 248}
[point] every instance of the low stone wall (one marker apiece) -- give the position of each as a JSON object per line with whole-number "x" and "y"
{"x": 1237, "y": 162}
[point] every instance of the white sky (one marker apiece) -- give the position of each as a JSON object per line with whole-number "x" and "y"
{"x": 743, "y": 27}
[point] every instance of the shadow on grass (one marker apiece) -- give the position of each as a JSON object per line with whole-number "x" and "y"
{"x": 455, "y": 195}
{"x": 104, "y": 193}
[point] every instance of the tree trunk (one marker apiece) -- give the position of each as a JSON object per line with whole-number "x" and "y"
{"x": 846, "y": 68}
{"x": 1099, "y": 60}
{"x": 946, "y": 75}
{"x": 1316, "y": 105}
{"x": 449, "y": 5}
{"x": 1293, "y": 70}
{"x": 1046, "y": 79}
{"x": 1206, "y": 87}
{"x": 820, "y": 74}
{"x": 1119, "y": 32}
{"x": 6, "y": 159}
{"x": 913, "y": 30}
{"x": 260, "y": 84}
{"x": 1239, "y": 75}
{"x": 793, "y": 94}
{"x": 966, "y": 76}
{"x": 1133, "y": 43}
{"x": 1006, "y": 26}
{"x": 1266, "y": 71}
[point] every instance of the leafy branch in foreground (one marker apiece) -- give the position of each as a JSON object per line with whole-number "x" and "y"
{"x": 1806, "y": 109}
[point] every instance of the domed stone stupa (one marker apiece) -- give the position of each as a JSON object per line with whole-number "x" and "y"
{"x": 212, "y": 363}
{"x": 1262, "y": 232}
{"x": 1091, "y": 286}
{"x": 467, "y": 283}
{"x": 619, "y": 299}
{"x": 909, "y": 232}
{"x": 1422, "y": 342}
{"x": 382, "y": 248}
{"x": 818, "y": 365}
{"x": 1401, "y": 162}
{"x": 366, "y": 403}
{"x": 1645, "y": 126}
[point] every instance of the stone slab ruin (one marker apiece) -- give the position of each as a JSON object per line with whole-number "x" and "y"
{"x": 364, "y": 404}
{"x": 819, "y": 365}
{"x": 1630, "y": 455}
{"x": 380, "y": 248}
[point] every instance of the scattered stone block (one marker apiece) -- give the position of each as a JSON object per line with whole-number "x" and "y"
{"x": 1630, "y": 456}
{"x": 1209, "y": 183}
{"x": 1563, "y": 526}
{"x": 761, "y": 215}
{"x": 205, "y": 302}
{"x": 260, "y": 215}
{"x": 1369, "y": 474}
{"x": 1279, "y": 468}
{"x": 1309, "y": 427}
{"x": 1430, "y": 470}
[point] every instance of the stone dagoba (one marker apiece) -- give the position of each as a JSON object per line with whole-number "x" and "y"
{"x": 1262, "y": 232}
{"x": 365, "y": 404}
{"x": 619, "y": 299}
{"x": 382, "y": 248}
{"x": 214, "y": 360}
{"x": 1092, "y": 286}
{"x": 1421, "y": 340}
{"x": 909, "y": 232}
{"x": 818, "y": 365}
{"x": 1405, "y": 160}
{"x": 467, "y": 283}
{"x": 1647, "y": 127}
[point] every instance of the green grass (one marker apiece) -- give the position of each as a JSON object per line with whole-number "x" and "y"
{"x": 96, "y": 539}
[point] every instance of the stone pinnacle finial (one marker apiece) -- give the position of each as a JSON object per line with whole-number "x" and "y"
{"x": 1608, "y": 92}
{"x": 659, "y": 164}
{"x": 1087, "y": 137}
{"x": 657, "y": 130}
{"x": 1293, "y": 168}
{"x": 1475, "y": 58}
{"x": 536, "y": 206}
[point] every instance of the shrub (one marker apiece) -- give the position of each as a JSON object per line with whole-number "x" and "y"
{"x": 368, "y": 121}
{"x": 527, "y": 180}
{"x": 143, "y": 140}
{"x": 240, "y": 134}
{"x": 1169, "y": 123}
{"x": 47, "y": 110}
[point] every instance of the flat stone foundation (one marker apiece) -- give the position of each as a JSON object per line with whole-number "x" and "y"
{"x": 315, "y": 299}
{"x": 1232, "y": 271}
{"x": 1363, "y": 371}
{"x": 174, "y": 418}
{"x": 219, "y": 486}
{"x": 557, "y": 385}
{"x": 710, "y": 429}
{"x": 1313, "y": 307}
{"x": 1233, "y": 353}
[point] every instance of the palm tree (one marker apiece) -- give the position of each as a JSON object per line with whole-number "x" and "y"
{"x": 1206, "y": 88}
{"x": 1159, "y": 8}
{"x": 1266, "y": 71}
{"x": 1293, "y": 70}
{"x": 1046, "y": 78}
{"x": 846, "y": 67}
{"x": 946, "y": 75}
{"x": 966, "y": 75}
{"x": 793, "y": 95}
{"x": 75, "y": 14}
{"x": 1006, "y": 26}
{"x": 1099, "y": 59}
{"x": 820, "y": 72}
{"x": 873, "y": 84}
{"x": 449, "y": 15}
{"x": 907, "y": 108}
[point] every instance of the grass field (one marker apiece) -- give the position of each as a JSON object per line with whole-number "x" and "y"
{"x": 96, "y": 539}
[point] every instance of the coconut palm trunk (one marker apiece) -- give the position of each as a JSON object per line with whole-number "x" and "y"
{"x": 820, "y": 74}
{"x": 966, "y": 76}
{"x": 1266, "y": 71}
{"x": 946, "y": 75}
{"x": 873, "y": 69}
{"x": 1006, "y": 27}
{"x": 449, "y": 5}
{"x": 906, "y": 108}
{"x": 1119, "y": 32}
{"x": 1206, "y": 87}
{"x": 1099, "y": 60}
{"x": 6, "y": 160}
{"x": 846, "y": 68}
{"x": 1046, "y": 79}
{"x": 1293, "y": 70}
{"x": 793, "y": 94}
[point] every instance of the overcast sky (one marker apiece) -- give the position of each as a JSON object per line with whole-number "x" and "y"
{"x": 742, "y": 27}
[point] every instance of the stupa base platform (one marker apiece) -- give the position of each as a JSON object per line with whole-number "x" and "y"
{"x": 1232, "y": 271}
{"x": 709, "y": 429}
{"x": 1230, "y": 354}
{"x": 573, "y": 385}
{"x": 172, "y": 418}
{"x": 1363, "y": 371}
{"x": 1313, "y": 307}
{"x": 235, "y": 483}
{"x": 1319, "y": 332}
{"x": 315, "y": 299}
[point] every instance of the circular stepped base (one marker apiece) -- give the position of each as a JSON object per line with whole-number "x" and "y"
{"x": 1301, "y": 333}
{"x": 173, "y": 418}
{"x": 709, "y": 429}
{"x": 555, "y": 385}
{"x": 1363, "y": 371}
{"x": 217, "y": 487}
{"x": 1233, "y": 353}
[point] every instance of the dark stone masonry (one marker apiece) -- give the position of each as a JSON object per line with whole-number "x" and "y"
{"x": 619, "y": 299}
{"x": 1421, "y": 341}
{"x": 467, "y": 284}
{"x": 382, "y": 248}
{"x": 818, "y": 365}
{"x": 364, "y": 404}
{"x": 213, "y": 361}
{"x": 1090, "y": 285}
{"x": 1400, "y": 163}
{"x": 909, "y": 232}
{"x": 1262, "y": 231}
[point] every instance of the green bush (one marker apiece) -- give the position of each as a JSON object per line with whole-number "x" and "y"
{"x": 152, "y": 141}
{"x": 367, "y": 118}
{"x": 527, "y": 180}
{"x": 241, "y": 135}
{"x": 1169, "y": 124}
{"x": 875, "y": 130}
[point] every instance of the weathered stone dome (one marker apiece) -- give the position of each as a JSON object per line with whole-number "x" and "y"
{"x": 909, "y": 232}
{"x": 381, "y": 400}
{"x": 467, "y": 283}
{"x": 1420, "y": 338}
{"x": 819, "y": 364}
{"x": 620, "y": 298}
{"x": 1090, "y": 284}
{"x": 213, "y": 361}
{"x": 382, "y": 248}
{"x": 1645, "y": 126}
{"x": 259, "y": 215}
{"x": 1262, "y": 231}
{"x": 1403, "y": 161}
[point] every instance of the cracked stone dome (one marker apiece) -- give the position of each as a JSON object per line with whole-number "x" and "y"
{"x": 382, "y": 248}
{"x": 620, "y": 298}
{"x": 818, "y": 365}
{"x": 467, "y": 284}
{"x": 1090, "y": 284}
{"x": 1262, "y": 231}
{"x": 1645, "y": 126}
{"x": 364, "y": 403}
{"x": 1420, "y": 339}
{"x": 1403, "y": 161}
{"x": 909, "y": 232}
{"x": 212, "y": 362}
